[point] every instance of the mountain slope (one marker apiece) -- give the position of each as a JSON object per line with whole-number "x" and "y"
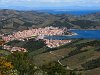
{"x": 80, "y": 55}
{"x": 20, "y": 20}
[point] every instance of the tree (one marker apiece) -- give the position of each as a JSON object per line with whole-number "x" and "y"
{"x": 6, "y": 67}
{"x": 22, "y": 63}
{"x": 54, "y": 69}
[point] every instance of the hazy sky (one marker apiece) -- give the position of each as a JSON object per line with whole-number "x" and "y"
{"x": 59, "y": 4}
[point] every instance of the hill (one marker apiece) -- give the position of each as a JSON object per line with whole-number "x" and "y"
{"x": 80, "y": 55}
{"x": 14, "y": 20}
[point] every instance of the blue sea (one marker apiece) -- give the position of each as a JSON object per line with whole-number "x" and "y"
{"x": 82, "y": 34}
{"x": 73, "y": 12}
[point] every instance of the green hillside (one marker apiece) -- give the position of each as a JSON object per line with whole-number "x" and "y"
{"x": 13, "y": 20}
{"x": 81, "y": 55}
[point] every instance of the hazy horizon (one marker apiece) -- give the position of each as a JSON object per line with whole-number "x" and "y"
{"x": 50, "y": 4}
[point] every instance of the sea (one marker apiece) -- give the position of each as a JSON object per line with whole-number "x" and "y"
{"x": 81, "y": 34}
{"x": 72, "y": 12}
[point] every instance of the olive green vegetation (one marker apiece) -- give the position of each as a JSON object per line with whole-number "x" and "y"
{"x": 30, "y": 45}
{"x": 4, "y": 53}
{"x": 13, "y": 42}
{"x": 80, "y": 56}
{"x": 28, "y": 19}
{"x": 61, "y": 24}
{"x": 56, "y": 69}
{"x": 25, "y": 66}
{"x": 28, "y": 24}
{"x": 85, "y": 24}
{"x": 22, "y": 63}
{"x": 33, "y": 45}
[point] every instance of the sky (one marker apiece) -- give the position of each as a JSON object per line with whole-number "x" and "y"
{"x": 51, "y": 4}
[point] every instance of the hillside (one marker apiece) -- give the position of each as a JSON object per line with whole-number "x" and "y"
{"x": 80, "y": 55}
{"x": 19, "y": 20}
{"x": 13, "y": 20}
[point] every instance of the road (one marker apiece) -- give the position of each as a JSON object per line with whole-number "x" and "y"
{"x": 51, "y": 52}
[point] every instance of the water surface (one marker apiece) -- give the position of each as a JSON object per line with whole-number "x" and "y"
{"x": 85, "y": 34}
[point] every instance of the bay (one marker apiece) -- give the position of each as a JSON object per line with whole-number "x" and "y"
{"x": 82, "y": 34}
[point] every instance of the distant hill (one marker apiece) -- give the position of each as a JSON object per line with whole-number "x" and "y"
{"x": 74, "y": 12}
{"x": 14, "y": 20}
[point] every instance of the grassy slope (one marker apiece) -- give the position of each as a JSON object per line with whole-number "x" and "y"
{"x": 3, "y": 53}
{"x": 74, "y": 55}
{"x": 74, "y": 61}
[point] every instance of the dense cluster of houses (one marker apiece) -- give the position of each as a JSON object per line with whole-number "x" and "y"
{"x": 14, "y": 49}
{"x": 56, "y": 43}
{"x": 33, "y": 32}
{"x": 39, "y": 32}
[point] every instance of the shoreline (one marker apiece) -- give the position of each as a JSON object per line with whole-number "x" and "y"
{"x": 83, "y": 29}
{"x": 73, "y": 34}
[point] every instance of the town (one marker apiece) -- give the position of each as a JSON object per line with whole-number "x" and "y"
{"x": 37, "y": 33}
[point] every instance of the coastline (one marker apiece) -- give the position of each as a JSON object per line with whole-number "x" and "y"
{"x": 73, "y": 34}
{"x": 83, "y": 29}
